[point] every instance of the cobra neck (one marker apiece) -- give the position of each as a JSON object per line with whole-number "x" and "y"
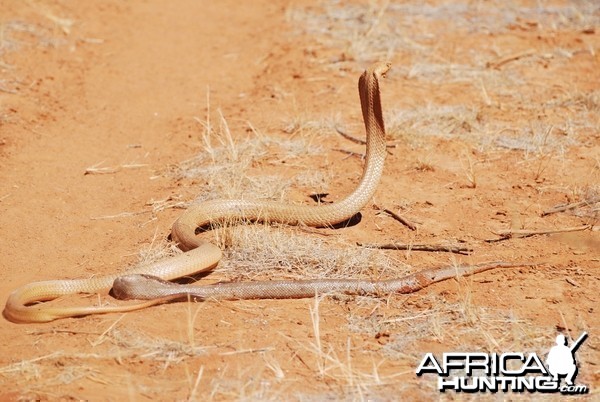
{"x": 370, "y": 101}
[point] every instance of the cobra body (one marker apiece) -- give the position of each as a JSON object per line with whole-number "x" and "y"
{"x": 24, "y": 304}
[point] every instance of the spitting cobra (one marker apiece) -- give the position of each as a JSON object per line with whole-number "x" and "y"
{"x": 24, "y": 305}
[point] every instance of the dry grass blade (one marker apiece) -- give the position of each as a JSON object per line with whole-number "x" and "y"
{"x": 96, "y": 169}
{"x": 119, "y": 215}
{"x": 510, "y": 58}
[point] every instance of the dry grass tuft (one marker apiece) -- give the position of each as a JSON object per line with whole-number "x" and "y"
{"x": 589, "y": 102}
{"x": 433, "y": 121}
{"x": 157, "y": 249}
{"x": 538, "y": 139}
{"x": 134, "y": 344}
{"x": 225, "y": 165}
{"x": 261, "y": 251}
{"x": 337, "y": 367}
{"x": 306, "y": 126}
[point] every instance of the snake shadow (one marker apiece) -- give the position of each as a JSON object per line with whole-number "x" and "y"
{"x": 352, "y": 221}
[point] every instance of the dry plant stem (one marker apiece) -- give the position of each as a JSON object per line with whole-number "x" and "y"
{"x": 96, "y": 169}
{"x": 349, "y": 137}
{"x": 567, "y": 207}
{"x": 507, "y": 59}
{"x": 520, "y": 233}
{"x": 397, "y": 217}
{"x": 419, "y": 247}
{"x": 169, "y": 291}
{"x": 572, "y": 282}
{"x": 350, "y": 153}
{"x": 357, "y": 140}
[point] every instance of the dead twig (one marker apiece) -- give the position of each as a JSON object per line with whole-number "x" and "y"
{"x": 507, "y": 59}
{"x": 54, "y": 331}
{"x": 397, "y": 217}
{"x": 573, "y": 205}
{"x": 572, "y": 282}
{"x": 521, "y": 233}
{"x": 419, "y": 247}
{"x": 350, "y": 153}
{"x": 358, "y": 140}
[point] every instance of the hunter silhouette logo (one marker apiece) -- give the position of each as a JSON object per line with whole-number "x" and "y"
{"x": 507, "y": 372}
{"x": 561, "y": 358}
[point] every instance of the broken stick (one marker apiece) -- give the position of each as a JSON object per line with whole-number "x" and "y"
{"x": 419, "y": 247}
{"x": 397, "y": 217}
{"x": 573, "y": 205}
{"x": 358, "y": 140}
{"x": 520, "y": 233}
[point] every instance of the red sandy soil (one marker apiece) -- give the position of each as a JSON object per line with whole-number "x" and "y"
{"x": 114, "y": 84}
